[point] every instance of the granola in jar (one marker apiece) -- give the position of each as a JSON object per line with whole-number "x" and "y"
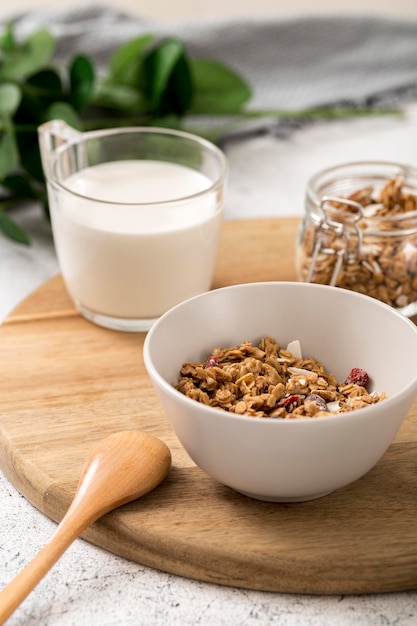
{"x": 360, "y": 232}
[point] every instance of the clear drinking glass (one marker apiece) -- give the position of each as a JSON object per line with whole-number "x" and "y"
{"x": 136, "y": 216}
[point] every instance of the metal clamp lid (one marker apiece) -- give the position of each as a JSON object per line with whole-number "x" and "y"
{"x": 345, "y": 229}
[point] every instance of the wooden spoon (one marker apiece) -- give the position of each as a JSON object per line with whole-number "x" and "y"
{"x": 121, "y": 468}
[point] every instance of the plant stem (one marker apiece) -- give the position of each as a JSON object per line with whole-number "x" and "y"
{"x": 239, "y": 122}
{"x": 236, "y": 118}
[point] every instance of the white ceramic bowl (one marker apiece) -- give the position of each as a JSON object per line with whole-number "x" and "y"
{"x": 287, "y": 460}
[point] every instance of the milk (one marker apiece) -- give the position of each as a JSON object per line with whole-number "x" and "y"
{"x": 150, "y": 243}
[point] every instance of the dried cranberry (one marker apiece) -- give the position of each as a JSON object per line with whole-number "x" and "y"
{"x": 321, "y": 402}
{"x": 211, "y": 361}
{"x": 290, "y": 402}
{"x": 357, "y": 377}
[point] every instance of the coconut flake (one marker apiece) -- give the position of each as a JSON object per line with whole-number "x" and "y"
{"x": 295, "y": 348}
{"x": 298, "y": 371}
{"x": 334, "y": 406}
{"x": 372, "y": 209}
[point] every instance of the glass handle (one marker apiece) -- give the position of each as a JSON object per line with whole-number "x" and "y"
{"x": 52, "y": 135}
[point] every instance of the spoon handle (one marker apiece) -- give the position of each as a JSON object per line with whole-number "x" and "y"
{"x": 121, "y": 468}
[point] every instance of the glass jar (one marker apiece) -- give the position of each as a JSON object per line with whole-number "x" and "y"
{"x": 359, "y": 232}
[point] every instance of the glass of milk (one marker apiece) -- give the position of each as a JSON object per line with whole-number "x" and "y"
{"x": 136, "y": 217}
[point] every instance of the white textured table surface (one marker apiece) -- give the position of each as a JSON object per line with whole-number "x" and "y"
{"x": 91, "y": 586}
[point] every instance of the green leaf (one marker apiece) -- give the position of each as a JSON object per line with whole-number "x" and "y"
{"x": 31, "y": 108}
{"x": 64, "y": 111}
{"x": 167, "y": 78}
{"x": 30, "y": 158}
{"x": 120, "y": 97}
{"x": 9, "y": 156}
{"x": 10, "y": 97}
{"x": 46, "y": 84}
{"x": 7, "y": 39}
{"x": 81, "y": 81}
{"x": 12, "y": 230}
{"x": 21, "y": 186}
{"x": 179, "y": 92}
{"x": 40, "y": 91}
{"x": 125, "y": 66}
{"x": 29, "y": 57}
{"x": 217, "y": 88}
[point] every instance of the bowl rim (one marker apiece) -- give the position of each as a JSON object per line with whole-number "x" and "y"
{"x": 219, "y": 413}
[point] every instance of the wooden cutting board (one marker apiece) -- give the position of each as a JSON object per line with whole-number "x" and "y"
{"x": 65, "y": 384}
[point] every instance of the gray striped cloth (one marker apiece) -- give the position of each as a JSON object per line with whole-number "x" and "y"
{"x": 290, "y": 62}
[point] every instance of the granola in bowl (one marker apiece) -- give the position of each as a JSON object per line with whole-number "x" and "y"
{"x": 267, "y": 380}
